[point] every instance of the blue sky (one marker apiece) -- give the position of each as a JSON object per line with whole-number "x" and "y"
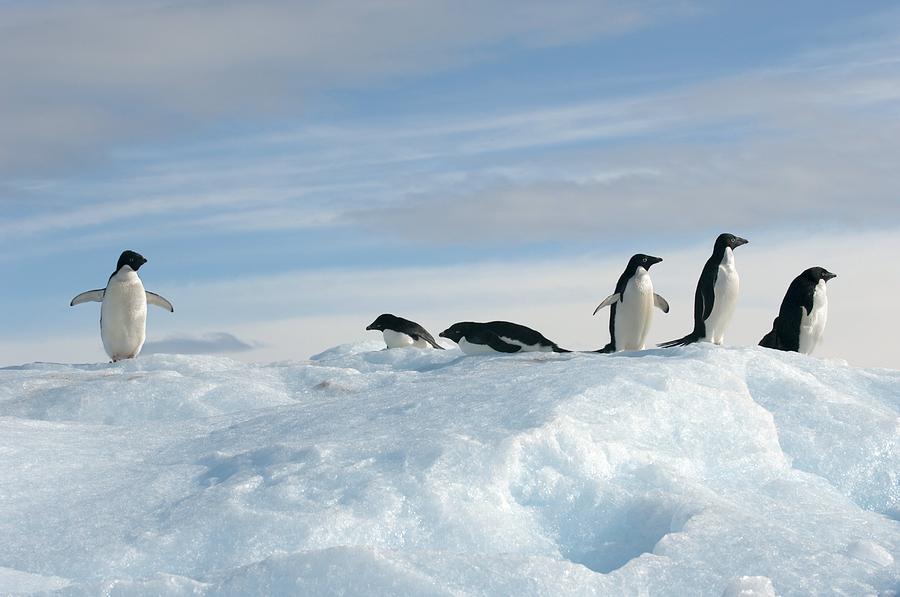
{"x": 293, "y": 169}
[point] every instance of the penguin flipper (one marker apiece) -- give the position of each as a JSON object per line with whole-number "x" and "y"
{"x": 155, "y": 299}
{"x": 495, "y": 342}
{"x": 430, "y": 339}
{"x": 608, "y": 301}
{"x": 660, "y": 303}
{"x": 708, "y": 299}
{"x": 95, "y": 296}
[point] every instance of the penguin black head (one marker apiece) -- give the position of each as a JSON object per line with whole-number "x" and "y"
{"x": 456, "y": 331}
{"x": 815, "y": 274}
{"x": 383, "y": 322}
{"x": 641, "y": 260}
{"x": 726, "y": 239}
{"x": 131, "y": 259}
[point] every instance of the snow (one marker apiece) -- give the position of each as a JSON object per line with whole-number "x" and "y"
{"x": 694, "y": 471}
{"x": 750, "y": 586}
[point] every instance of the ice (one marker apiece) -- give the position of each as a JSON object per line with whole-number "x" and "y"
{"x": 16, "y": 581}
{"x": 694, "y": 471}
{"x": 750, "y": 586}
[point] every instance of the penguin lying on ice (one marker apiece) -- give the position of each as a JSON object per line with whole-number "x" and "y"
{"x": 498, "y": 336}
{"x": 399, "y": 332}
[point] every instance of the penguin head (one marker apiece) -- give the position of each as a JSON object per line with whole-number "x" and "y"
{"x": 641, "y": 260}
{"x": 456, "y": 331}
{"x": 726, "y": 239}
{"x": 382, "y": 322}
{"x": 131, "y": 259}
{"x": 817, "y": 274}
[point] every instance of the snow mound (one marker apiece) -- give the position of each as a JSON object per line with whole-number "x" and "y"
{"x": 694, "y": 471}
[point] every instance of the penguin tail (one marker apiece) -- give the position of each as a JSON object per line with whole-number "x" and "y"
{"x": 768, "y": 341}
{"x": 689, "y": 339}
{"x": 771, "y": 340}
{"x": 608, "y": 349}
{"x": 558, "y": 349}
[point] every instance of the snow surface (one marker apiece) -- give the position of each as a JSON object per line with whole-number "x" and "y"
{"x": 693, "y": 471}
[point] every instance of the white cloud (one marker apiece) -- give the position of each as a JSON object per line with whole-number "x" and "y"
{"x": 771, "y": 149}
{"x": 809, "y": 141}
{"x": 83, "y": 76}
{"x": 814, "y": 139}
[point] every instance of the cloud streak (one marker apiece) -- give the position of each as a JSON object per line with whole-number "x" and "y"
{"x": 768, "y": 146}
{"x": 82, "y": 76}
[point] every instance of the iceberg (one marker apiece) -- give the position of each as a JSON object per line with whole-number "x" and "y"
{"x": 699, "y": 470}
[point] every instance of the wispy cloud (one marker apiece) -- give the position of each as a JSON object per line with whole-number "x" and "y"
{"x": 753, "y": 145}
{"x": 211, "y": 343}
{"x": 82, "y": 76}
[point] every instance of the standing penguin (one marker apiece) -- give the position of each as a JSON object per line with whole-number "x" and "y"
{"x": 498, "y": 336}
{"x": 631, "y": 306}
{"x": 123, "y": 309}
{"x": 399, "y": 332}
{"x": 716, "y": 294}
{"x": 804, "y": 311}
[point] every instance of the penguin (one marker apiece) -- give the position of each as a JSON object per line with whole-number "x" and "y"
{"x": 804, "y": 310}
{"x": 631, "y": 305}
{"x": 123, "y": 309}
{"x": 399, "y": 332}
{"x": 716, "y": 294}
{"x": 498, "y": 336}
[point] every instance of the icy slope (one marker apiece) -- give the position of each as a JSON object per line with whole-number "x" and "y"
{"x": 697, "y": 471}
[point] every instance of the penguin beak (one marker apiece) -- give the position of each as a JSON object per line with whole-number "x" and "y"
{"x": 738, "y": 241}
{"x": 655, "y": 260}
{"x": 828, "y": 276}
{"x": 443, "y": 334}
{"x": 371, "y": 326}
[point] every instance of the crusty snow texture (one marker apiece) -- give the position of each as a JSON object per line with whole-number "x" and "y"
{"x": 693, "y": 471}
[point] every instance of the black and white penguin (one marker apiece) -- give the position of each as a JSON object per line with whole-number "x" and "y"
{"x": 498, "y": 336}
{"x": 399, "y": 332}
{"x": 631, "y": 306}
{"x": 123, "y": 309}
{"x": 716, "y": 294}
{"x": 804, "y": 311}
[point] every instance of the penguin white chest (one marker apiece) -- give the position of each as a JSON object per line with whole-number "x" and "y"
{"x": 471, "y": 348}
{"x": 395, "y": 339}
{"x": 123, "y": 316}
{"x": 634, "y": 312}
{"x": 812, "y": 324}
{"x": 726, "y": 289}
